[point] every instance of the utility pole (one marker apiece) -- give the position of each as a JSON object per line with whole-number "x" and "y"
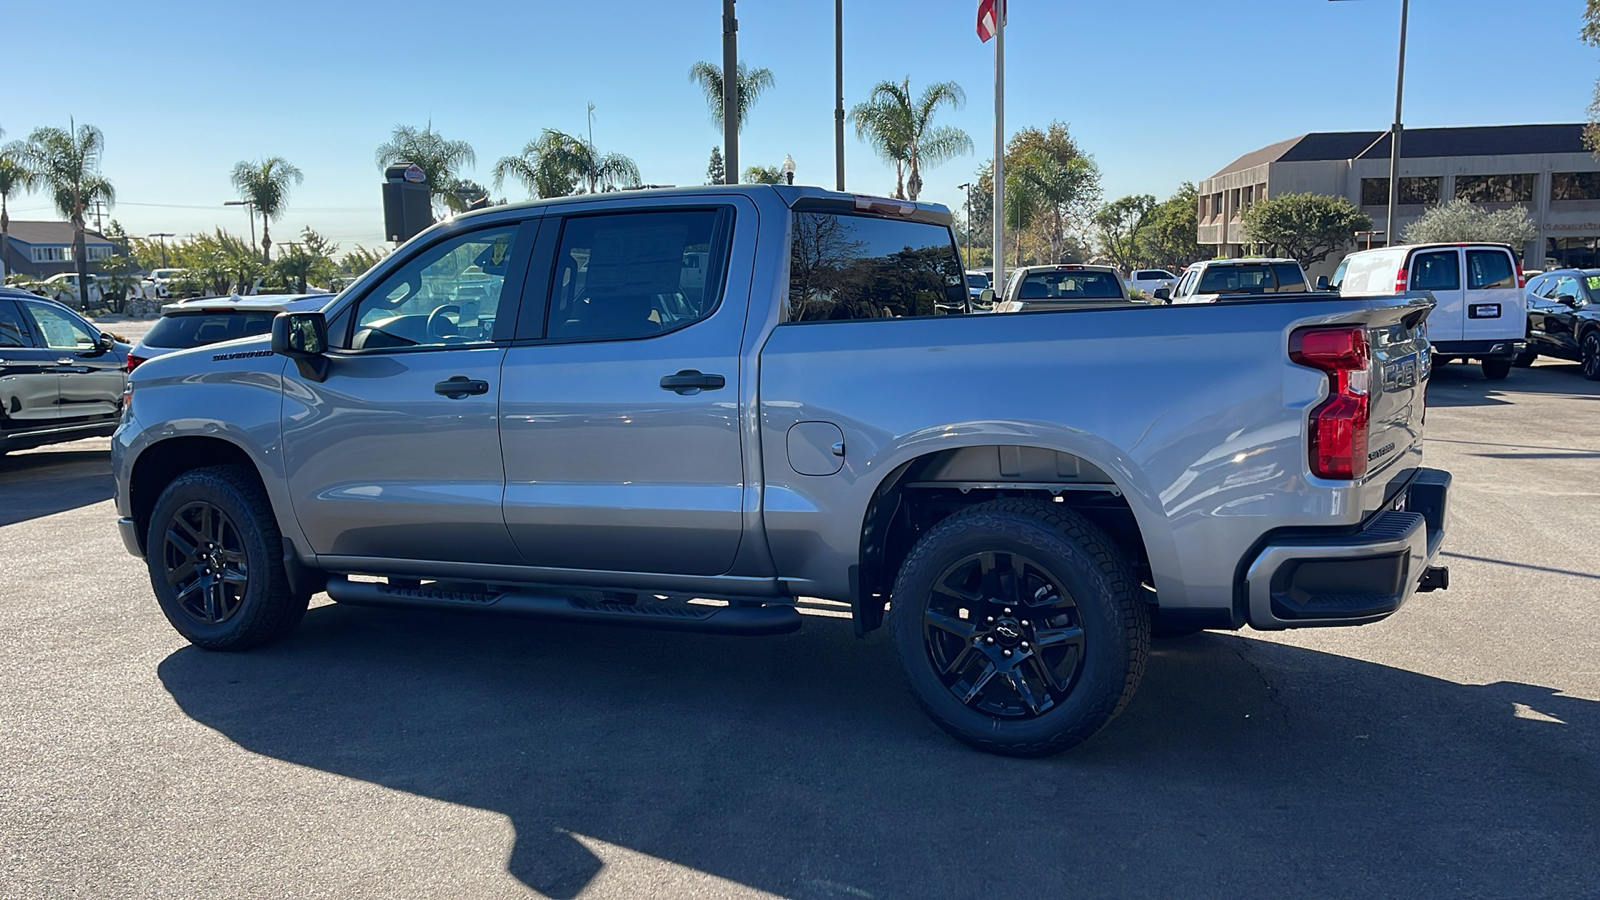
{"x": 1392, "y": 235}
{"x": 730, "y": 92}
{"x": 162, "y": 236}
{"x": 967, "y": 231}
{"x": 251, "y": 207}
{"x": 99, "y": 216}
{"x": 838, "y": 95}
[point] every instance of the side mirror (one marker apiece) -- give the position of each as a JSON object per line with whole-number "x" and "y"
{"x": 1163, "y": 293}
{"x": 303, "y": 337}
{"x": 1567, "y": 299}
{"x": 986, "y": 298}
{"x": 1323, "y": 284}
{"x": 107, "y": 342}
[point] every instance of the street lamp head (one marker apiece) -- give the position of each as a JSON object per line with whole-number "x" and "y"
{"x": 788, "y": 169}
{"x": 964, "y": 187}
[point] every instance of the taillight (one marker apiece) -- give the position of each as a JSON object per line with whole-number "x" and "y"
{"x": 1400, "y": 281}
{"x": 134, "y": 361}
{"x": 1338, "y": 426}
{"x": 1522, "y": 280}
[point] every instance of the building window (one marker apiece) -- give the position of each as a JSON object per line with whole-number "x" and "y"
{"x": 1216, "y": 205}
{"x": 52, "y": 254}
{"x": 1575, "y": 186}
{"x": 1495, "y": 188}
{"x": 1414, "y": 191}
{"x": 99, "y": 252}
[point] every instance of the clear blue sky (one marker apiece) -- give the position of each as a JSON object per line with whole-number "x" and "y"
{"x": 1158, "y": 91}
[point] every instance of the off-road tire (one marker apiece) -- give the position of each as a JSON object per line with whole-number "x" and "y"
{"x": 266, "y": 609}
{"x": 1496, "y": 369}
{"x": 1080, "y": 558}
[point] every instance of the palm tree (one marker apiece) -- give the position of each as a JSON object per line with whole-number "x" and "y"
{"x": 763, "y": 175}
{"x": 265, "y": 186}
{"x": 900, "y": 128}
{"x": 556, "y": 164}
{"x": 1057, "y": 189}
{"x": 751, "y": 83}
{"x": 15, "y": 176}
{"x": 67, "y": 164}
{"x": 437, "y": 157}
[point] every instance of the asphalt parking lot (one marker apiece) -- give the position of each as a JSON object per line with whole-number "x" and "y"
{"x": 1453, "y": 750}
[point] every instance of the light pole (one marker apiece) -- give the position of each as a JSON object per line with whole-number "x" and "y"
{"x": 968, "y": 230}
{"x": 730, "y": 92}
{"x": 788, "y": 169}
{"x": 162, "y": 236}
{"x": 1391, "y": 228}
{"x": 251, "y": 207}
{"x": 838, "y": 95}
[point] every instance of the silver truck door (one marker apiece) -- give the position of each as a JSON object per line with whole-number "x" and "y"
{"x": 28, "y": 390}
{"x": 397, "y": 453}
{"x": 620, "y": 405}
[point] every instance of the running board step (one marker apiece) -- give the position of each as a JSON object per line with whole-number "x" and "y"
{"x": 732, "y": 619}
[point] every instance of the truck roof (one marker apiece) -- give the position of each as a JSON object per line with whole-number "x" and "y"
{"x": 798, "y": 197}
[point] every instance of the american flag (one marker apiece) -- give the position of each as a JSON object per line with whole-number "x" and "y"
{"x": 988, "y": 20}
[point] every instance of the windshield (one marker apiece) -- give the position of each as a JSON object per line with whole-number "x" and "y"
{"x": 1153, "y": 275}
{"x": 195, "y": 330}
{"x": 1070, "y": 285}
{"x": 977, "y": 280}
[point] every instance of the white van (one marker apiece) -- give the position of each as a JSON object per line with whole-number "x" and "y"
{"x": 1482, "y": 313}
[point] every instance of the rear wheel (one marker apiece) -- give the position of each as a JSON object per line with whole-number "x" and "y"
{"x": 1526, "y": 358}
{"x": 1591, "y": 354}
{"x": 1496, "y": 369}
{"x": 1019, "y": 627}
{"x": 215, "y": 558}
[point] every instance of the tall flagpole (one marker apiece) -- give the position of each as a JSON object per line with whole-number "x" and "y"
{"x": 999, "y": 216}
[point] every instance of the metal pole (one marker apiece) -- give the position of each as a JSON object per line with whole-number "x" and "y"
{"x": 967, "y": 231}
{"x": 999, "y": 216}
{"x": 162, "y": 236}
{"x": 1392, "y": 228}
{"x": 838, "y": 95}
{"x": 730, "y": 92}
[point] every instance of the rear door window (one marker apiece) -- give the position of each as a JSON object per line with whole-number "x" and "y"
{"x": 12, "y": 332}
{"x": 1490, "y": 269}
{"x": 637, "y": 274}
{"x": 1290, "y": 278}
{"x": 199, "y": 329}
{"x": 865, "y": 267}
{"x": 1438, "y": 270}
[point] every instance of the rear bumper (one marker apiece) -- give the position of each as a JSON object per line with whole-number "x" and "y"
{"x": 1495, "y": 349}
{"x": 1353, "y": 579}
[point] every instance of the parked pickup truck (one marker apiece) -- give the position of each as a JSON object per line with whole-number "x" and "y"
{"x": 538, "y": 410}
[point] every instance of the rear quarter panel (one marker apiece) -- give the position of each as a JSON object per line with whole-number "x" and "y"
{"x": 1195, "y": 412}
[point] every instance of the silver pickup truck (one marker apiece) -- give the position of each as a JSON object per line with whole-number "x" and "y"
{"x": 691, "y": 409}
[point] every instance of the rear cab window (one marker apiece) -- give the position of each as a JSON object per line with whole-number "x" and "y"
{"x": 1071, "y": 284}
{"x": 844, "y": 266}
{"x": 197, "y": 329}
{"x": 1247, "y": 279}
{"x": 1290, "y": 277}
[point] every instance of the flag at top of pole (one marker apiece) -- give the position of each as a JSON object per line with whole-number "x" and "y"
{"x": 992, "y": 24}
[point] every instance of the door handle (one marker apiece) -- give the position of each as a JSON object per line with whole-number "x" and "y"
{"x": 690, "y": 381}
{"x": 459, "y": 387}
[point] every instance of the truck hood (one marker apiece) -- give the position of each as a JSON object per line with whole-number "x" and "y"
{"x": 248, "y": 354}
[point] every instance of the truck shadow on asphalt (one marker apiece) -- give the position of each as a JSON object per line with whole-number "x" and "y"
{"x": 46, "y": 482}
{"x": 798, "y": 765}
{"x": 1460, "y": 384}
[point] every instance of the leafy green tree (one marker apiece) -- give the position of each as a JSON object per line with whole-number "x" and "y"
{"x": 360, "y": 259}
{"x": 264, "y": 184}
{"x": 557, "y": 164}
{"x": 1460, "y": 220}
{"x": 15, "y": 177}
{"x": 1170, "y": 237}
{"x": 1065, "y": 182}
{"x": 752, "y": 82}
{"x": 118, "y": 276}
{"x": 763, "y": 175}
{"x": 1304, "y": 227}
{"x": 66, "y": 163}
{"x": 717, "y": 169}
{"x": 1590, "y": 33}
{"x": 1119, "y": 226}
{"x": 899, "y": 127}
{"x": 440, "y": 160}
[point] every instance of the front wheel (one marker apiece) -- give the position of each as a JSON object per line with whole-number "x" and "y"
{"x": 1591, "y": 355}
{"x": 1019, "y": 627}
{"x": 1496, "y": 369}
{"x": 215, "y": 558}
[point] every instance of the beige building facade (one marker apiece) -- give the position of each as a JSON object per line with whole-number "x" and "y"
{"x": 1543, "y": 168}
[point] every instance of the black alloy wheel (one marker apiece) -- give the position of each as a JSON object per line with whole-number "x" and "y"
{"x": 206, "y": 565}
{"x": 1003, "y": 635}
{"x": 1591, "y": 355}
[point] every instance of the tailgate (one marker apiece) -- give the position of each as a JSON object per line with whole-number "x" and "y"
{"x": 1401, "y": 364}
